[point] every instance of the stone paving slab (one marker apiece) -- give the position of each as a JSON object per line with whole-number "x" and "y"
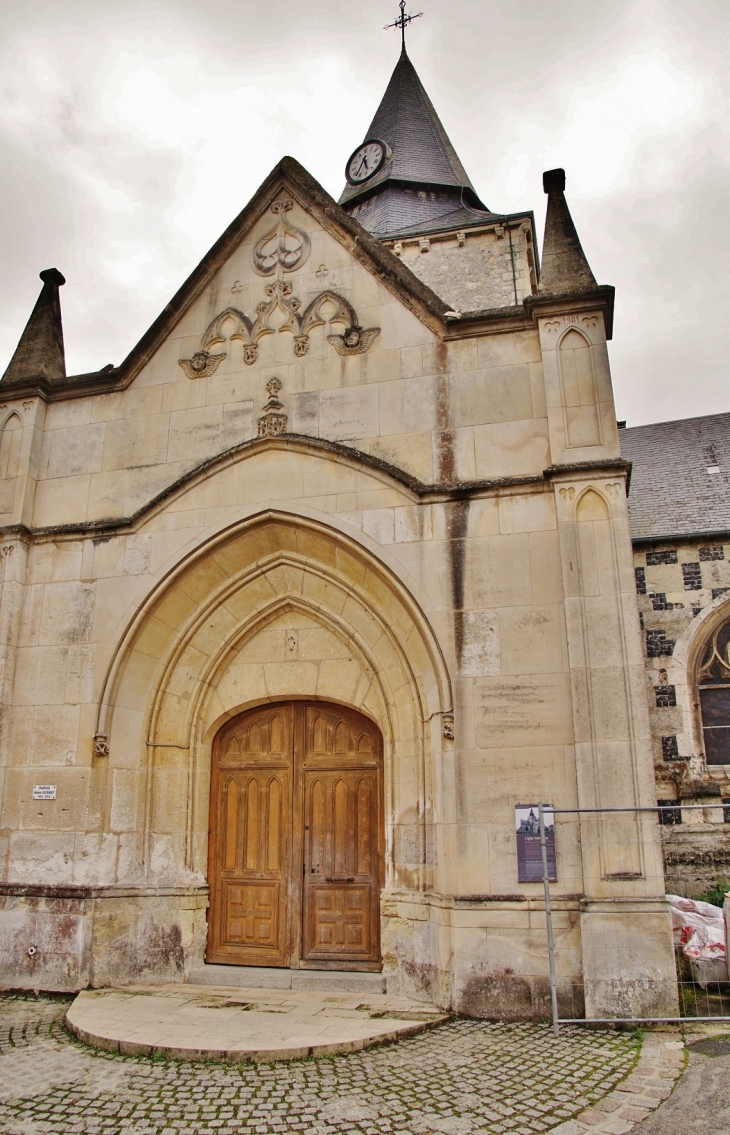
{"x": 700, "y": 1102}
{"x": 661, "y": 1063}
{"x": 269, "y": 978}
{"x": 237, "y": 1024}
{"x": 463, "y": 1077}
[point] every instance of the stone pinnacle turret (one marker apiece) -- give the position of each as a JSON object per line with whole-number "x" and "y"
{"x": 564, "y": 265}
{"x": 40, "y": 352}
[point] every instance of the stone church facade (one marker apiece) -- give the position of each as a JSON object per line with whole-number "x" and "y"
{"x": 304, "y": 597}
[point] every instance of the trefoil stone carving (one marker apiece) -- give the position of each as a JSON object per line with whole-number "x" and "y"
{"x": 273, "y": 422}
{"x": 326, "y": 308}
{"x": 285, "y": 246}
{"x": 201, "y": 365}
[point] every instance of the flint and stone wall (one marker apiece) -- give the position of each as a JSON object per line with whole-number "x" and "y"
{"x": 683, "y": 591}
{"x": 475, "y": 269}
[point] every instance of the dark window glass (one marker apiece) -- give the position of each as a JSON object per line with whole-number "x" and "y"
{"x": 714, "y": 688}
{"x": 715, "y": 702}
{"x": 669, "y": 813}
{"x": 726, "y": 809}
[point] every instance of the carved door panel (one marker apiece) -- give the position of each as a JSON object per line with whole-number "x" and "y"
{"x": 251, "y": 838}
{"x": 342, "y": 845}
{"x": 296, "y": 844}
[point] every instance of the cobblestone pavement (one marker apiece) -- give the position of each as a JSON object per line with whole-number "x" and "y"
{"x": 461, "y": 1078}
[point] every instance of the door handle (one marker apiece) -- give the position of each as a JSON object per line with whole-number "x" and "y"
{"x": 339, "y": 879}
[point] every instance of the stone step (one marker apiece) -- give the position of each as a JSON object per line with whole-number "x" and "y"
{"x": 262, "y": 977}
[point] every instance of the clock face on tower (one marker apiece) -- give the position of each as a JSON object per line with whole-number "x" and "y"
{"x": 366, "y": 161}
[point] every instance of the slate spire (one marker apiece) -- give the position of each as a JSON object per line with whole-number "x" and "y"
{"x": 423, "y": 162}
{"x": 407, "y": 122}
{"x": 40, "y": 353}
{"x": 564, "y": 264}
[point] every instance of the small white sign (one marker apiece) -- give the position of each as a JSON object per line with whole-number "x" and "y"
{"x": 44, "y": 792}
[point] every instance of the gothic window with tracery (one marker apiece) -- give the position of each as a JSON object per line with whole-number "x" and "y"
{"x": 713, "y": 681}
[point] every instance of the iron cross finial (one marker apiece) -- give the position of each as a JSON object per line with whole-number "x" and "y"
{"x": 402, "y": 21}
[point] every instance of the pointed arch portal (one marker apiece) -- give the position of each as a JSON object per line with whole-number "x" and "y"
{"x": 296, "y": 838}
{"x": 305, "y": 630}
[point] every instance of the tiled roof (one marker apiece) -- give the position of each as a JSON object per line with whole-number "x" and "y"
{"x": 672, "y": 493}
{"x": 423, "y": 156}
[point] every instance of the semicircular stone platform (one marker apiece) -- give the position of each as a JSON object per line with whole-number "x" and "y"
{"x": 188, "y": 1022}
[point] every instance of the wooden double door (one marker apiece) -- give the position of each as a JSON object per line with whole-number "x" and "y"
{"x": 296, "y": 839}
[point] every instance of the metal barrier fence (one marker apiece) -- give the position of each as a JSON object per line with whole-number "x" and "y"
{"x": 603, "y": 868}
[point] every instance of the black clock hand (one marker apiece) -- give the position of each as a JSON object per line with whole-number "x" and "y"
{"x": 363, "y": 162}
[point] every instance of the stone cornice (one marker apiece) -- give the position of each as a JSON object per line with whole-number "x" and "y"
{"x": 600, "y": 298}
{"x": 611, "y": 465}
{"x": 524, "y": 316}
{"x": 681, "y": 537}
{"x": 83, "y": 891}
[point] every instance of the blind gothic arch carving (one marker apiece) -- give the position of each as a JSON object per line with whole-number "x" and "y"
{"x": 10, "y": 437}
{"x": 579, "y": 389}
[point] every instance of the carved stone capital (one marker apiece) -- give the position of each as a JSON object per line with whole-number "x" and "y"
{"x": 101, "y": 745}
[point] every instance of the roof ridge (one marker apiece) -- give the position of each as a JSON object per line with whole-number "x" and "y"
{"x": 679, "y": 421}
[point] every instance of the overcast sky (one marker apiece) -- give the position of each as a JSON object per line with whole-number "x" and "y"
{"x": 133, "y": 131}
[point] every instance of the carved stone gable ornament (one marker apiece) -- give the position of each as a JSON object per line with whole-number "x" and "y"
{"x": 355, "y": 341}
{"x": 202, "y": 365}
{"x": 273, "y": 422}
{"x": 325, "y": 309}
{"x": 284, "y": 246}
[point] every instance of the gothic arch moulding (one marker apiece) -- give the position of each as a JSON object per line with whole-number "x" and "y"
{"x": 688, "y": 656}
{"x": 10, "y": 438}
{"x": 579, "y": 390}
{"x": 214, "y": 639}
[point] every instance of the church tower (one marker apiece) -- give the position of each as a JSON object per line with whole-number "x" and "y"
{"x": 407, "y": 186}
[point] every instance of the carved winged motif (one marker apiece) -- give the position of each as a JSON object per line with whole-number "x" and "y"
{"x": 355, "y": 341}
{"x": 202, "y": 365}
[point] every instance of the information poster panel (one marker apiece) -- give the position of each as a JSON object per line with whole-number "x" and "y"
{"x": 529, "y": 855}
